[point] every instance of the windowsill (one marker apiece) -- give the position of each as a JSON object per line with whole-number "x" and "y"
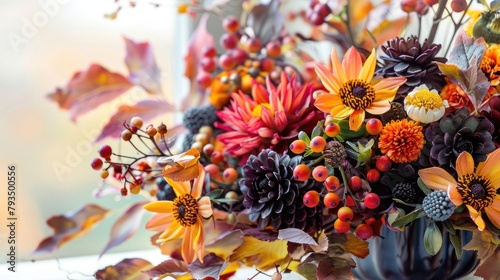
{"x": 84, "y": 267}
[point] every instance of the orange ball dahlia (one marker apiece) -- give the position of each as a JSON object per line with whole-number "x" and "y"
{"x": 402, "y": 141}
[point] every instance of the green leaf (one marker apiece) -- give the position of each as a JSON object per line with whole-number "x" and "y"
{"x": 215, "y": 193}
{"x": 304, "y": 137}
{"x": 346, "y": 133}
{"x": 413, "y": 215}
{"x": 423, "y": 187}
{"x": 457, "y": 244}
{"x": 317, "y": 131}
{"x": 449, "y": 226}
{"x": 433, "y": 239}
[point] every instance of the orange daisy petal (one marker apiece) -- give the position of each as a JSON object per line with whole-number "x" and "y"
{"x": 179, "y": 188}
{"x": 173, "y": 231}
{"x": 465, "y": 164}
{"x": 356, "y": 119}
{"x": 493, "y": 215}
{"x": 436, "y": 178}
{"x": 378, "y": 108}
{"x": 476, "y": 217}
{"x": 454, "y": 195}
{"x": 337, "y": 67}
{"x": 326, "y": 101}
{"x": 187, "y": 250}
{"x": 352, "y": 64}
{"x": 160, "y": 221}
{"x": 328, "y": 80}
{"x": 205, "y": 207}
{"x": 163, "y": 206}
{"x": 341, "y": 112}
{"x": 490, "y": 167}
{"x": 368, "y": 69}
{"x": 199, "y": 182}
{"x": 386, "y": 89}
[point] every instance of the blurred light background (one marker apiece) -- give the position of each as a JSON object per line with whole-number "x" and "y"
{"x": 60, "y": 37}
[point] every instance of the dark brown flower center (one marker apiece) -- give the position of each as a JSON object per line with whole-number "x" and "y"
{"x": 476, "y": 191}
{"x": 357, "y": 94}
{"x": 465, "y": 145}
{"x": 185, "y": 210}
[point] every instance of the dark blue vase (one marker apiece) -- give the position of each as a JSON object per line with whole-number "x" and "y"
{"x": 402, "y": 256}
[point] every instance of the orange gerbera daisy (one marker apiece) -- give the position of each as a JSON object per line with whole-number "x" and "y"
{"x": 476, "y": 189}
{"x": 182, "y": 218}
{"x": 401, "y": 141}
{"x": 351, "y": 90}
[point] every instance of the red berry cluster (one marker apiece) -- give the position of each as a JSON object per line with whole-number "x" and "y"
{"x": 421, "y": 7}
{"x": 138, "y": 174}
{"x": 318, "y": 13}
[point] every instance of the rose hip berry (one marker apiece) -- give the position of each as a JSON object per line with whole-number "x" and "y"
{"x": 332, "y": 129}
{"x": 96, "y": 164}
{"x": 374, "y": 126}
{"x": 355, "y": 183}
{"x": 345, "y": 213}
{"x": 105, "y": 152}
{"x": 364, "y": 231}
{"x": 332, "y": 183}
{"x": 320, "y": 173}
{"x": 372, "y": 200}
{"x": 317, "y": 144}
{"x": 341, "y": 226}
{"x": 298, "y": 146}
{"x": 331, "y": 200}
{"x": 383, "y": 163}
{"x": 301, "y": 172}
{"x": 373, "y": 175}
{"x": 311, "y": 199}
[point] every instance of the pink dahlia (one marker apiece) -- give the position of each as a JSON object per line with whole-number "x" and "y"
{"x": 269, "y": 118}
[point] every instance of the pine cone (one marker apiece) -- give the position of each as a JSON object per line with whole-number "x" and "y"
{"x": 414, "y": 61}
{"x": 335, "y": 154}
{"x": 273, "y": 197}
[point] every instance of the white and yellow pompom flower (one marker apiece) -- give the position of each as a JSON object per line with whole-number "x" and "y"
{"x": 424, "y": 105}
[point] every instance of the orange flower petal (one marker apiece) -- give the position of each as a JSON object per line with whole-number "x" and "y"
{"x": 338, "y": 71}
{"x": 436, "y": 178}
{"x": 199, "y": 182}
{"x": 341, "y": 112}
{"x": 465, "y": 164}
{"x": 352, "y": 64}
{"x": 368, "y": 69}
{"x": 386, "y": 89}
{"x": 187, "y": 250}
{"x": 326, "y": 101}
{"x": 205, "y": 207}
{"x": 160, "y": 221}
{"x": 496, "y": 203}
{"x": 163, "y": 206}
{"x": 493, "y": 215}
{"x": 328, "y": 80}
{"x": 179, "y": 188}
{"x": 454, "y": 195}
{"x": 476, "y": 217}
{"x": 173, "y": 231}
{"x": 490, "y": 167}
{"x": 378, "y": 108}
{"x": 356, "y": 119}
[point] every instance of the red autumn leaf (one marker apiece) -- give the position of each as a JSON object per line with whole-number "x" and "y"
{"x": 170, "y": 267}
{"x": 70, "y": 226}
{"x": 126, "y": 226}
{"x": 146, "y": 109}
{"x": 142, "y": 66}
{"x": 127, "y": 269}
{"x": 212, "y": 266}
{"x": 88, "y": 89}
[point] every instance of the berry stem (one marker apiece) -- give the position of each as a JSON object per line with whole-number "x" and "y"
{"x": 156, "y": 145}
{"x": 166, "y": 145}
{"x": 346, "y": 187}
{"x": 316, "y": 161}
{"x": 135, "y": 147}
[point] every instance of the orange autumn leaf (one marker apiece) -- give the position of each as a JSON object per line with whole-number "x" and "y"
{"x": 183, "y": 167}
{"x": 356, "y": 246}
{"x": 70, "y": 226}
{"x": 88, "y": 89}
{"x": 127, "y": 269}
{"x": 261, "y": 254}
{"x": 385, "y": 31}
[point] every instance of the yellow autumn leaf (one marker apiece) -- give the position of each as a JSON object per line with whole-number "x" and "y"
{"x": 261, "y": 254}
{"x": 356, "y": 246}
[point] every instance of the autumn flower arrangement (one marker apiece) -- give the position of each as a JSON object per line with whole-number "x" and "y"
{"x": 288, "y": 163}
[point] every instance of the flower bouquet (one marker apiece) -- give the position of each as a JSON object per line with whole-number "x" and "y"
{"x": 380, "y": 162}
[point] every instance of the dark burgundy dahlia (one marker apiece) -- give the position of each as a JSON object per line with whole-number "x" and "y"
{"x": 454, "y": 134}
{"x": 414, "y": 61}
{"x": 273, "y": 197}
